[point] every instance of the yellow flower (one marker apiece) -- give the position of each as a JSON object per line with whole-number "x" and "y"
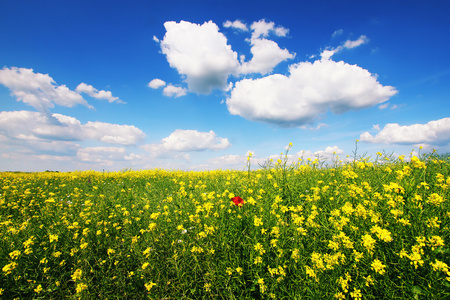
{"x": 295, "y": 255}
{"x": 53, "y": 238}
{"x": 435, "y": 241}
{"x": 259, "y": 247}
{"x": 356, "y": 294}
{"x": 149, "y": 285}
{"x": 110, "y": 251}
{"x": 435, "y": 199}
{"x": 57, "y": 254}
{"x": 382, "y": 234}
{"x": 207, "y": 287}
{"x": 439, "y": 266}
{"x": 239, "y": 270}
{"x": 38, "y": 289}
{"x": 14, "y": 254}
{"x": 81, "y": 287}
{"x": 257, "y": 221}
{"x": 77, "y": 274}
{"x": 145, "y": 265}
{"x": 368, "y": 242}
{"x": 378, "y": 266}
{"x": 310, "y": 272}
{"x": 369, "y": 280}
{"x": 258, "y": 260}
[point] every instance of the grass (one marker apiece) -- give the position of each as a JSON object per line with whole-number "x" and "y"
{"x": 365, "y": 229}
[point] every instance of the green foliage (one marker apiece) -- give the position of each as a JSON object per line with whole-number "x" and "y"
{"x": 372, "y": 229}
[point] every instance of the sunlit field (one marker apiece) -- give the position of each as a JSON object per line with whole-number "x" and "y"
{"x": 369, "y": 228}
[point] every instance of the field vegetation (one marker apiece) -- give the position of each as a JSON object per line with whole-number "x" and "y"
{"x": 367, "y": 228}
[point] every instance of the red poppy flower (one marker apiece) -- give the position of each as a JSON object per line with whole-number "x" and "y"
{"x": 238, "y": 201}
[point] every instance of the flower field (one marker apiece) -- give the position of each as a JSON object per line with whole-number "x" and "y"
{"x": 365, "y": 229}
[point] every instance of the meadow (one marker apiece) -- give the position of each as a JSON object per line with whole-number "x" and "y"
{"x": 368, "y": 228}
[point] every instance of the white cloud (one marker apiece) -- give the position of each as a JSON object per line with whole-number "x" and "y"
{"x": 353, "y": 44}
{"x": 155, "y": 39}
{"x": 229, "y": 160}
{"x": 383, "y": 106}
{"x": 281, "y": 31}
{"x": 266, "y": 56}
{"x": 174, "y": 91}
{"x": 434, "y": 132}
{"x": 337, "y": 32}
{"x": 236, "y": 24}
{"x": 186, "y": 141}
{"x": 112, "y": 133}
{"x": 156, "y": 83}
{"x": 376, "y": 127}
{"x": 266, "y": 53}
{"x": 103, "y": 155}
{"x": 263, "y": 29}
{"x": 94, "y": 93}
{"x": 328, "y": 53}
{"x": 320, "y": 125}
{"x": 193, "y": 140}
{"x": 35, "y": 126}
{"x": 310, "y": 90}
{"x": 200, "y": 53}
{"x": 329, "y": 152}
{"x": 38, "y": 90}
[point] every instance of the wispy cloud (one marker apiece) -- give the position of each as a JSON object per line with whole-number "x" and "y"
{"x": 94, "y": 93}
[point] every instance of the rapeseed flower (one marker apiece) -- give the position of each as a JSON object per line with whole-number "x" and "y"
{"x": 81, "y": 287}
{"x": 77, "y": 274}
{"x": 38, "y": 289}
{"x": 378, "y": 266}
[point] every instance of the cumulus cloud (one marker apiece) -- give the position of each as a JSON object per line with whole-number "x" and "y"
{"x": 266, "y": 56}
{"x": 329, "y": 151}
{"x": 94, "y": 93}
{"x": 434, "y": 132}
{"x": 236, "y": 24}
{"x": 174, "y": 91}
{"x": 193, "y": 140}
{"x": 186, "y": 141}
{"x": 156, "y": 83}
{"x": 38, "y": 90}
{"x": 200, "y": 53}
{"x": 310, "y": 90}
{"x": 36, "y": 126}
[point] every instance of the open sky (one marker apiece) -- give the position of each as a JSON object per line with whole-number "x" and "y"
{"x": 195, "y": 85}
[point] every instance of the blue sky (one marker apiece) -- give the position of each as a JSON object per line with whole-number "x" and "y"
{"x": 196, "y": 85}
